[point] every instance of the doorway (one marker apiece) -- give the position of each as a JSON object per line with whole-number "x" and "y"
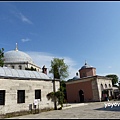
{"x": 81, "y": 95}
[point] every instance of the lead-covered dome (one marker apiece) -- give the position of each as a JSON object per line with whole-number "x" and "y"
{"x": 17, "y": 56}
{"x": 86, "y": 66}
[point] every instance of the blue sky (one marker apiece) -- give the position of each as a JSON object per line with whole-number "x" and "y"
{"x": 75, "y": 31}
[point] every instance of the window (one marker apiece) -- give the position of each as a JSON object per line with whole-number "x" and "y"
{"x": 2, "y": 97}
{"x": 21, "y": 96}
{"x": 101, "y": 87}
{"x": 38, "y": 94}
{"x": 20, "y": 67}
{"x": 105, "y": 85}
{"x": 109, "y": 85}
{"x": 13, "y": 67}
{"x": 84, "y": 75}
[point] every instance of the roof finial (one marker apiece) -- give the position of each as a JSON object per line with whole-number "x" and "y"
{"x": 16, "y": 47}
{"x": 85, "y": 62}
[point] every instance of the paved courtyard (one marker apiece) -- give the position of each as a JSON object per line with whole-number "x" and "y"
{"x": 79, "y": 111}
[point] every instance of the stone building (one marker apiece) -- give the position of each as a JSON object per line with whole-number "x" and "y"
{"x": 88, "y": 86}
{"x": 21, "y": 89}
{"x": 16, "y": 59}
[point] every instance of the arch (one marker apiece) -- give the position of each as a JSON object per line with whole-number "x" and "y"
{"x": 81, "y": 95}
{"x": 105, "y": 85}
{"x": 101, "y": 87}
{"x": 109, "y": 85}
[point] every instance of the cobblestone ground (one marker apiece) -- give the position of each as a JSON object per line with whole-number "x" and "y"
{"x": 90, "y": 110}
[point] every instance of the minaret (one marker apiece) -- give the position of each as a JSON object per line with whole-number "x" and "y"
{"x": 16, "y": 49}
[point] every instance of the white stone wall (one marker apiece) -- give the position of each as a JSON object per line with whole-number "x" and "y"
{"x": 24, "y": 65}
{"x": 11, "y": 87}
{"x": 103, "y": 81}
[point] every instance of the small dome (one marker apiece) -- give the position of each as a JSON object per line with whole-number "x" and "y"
{"x": 17, "y": 56}
{"x": 76, "y": 77}
{"x": 86, "y": 66}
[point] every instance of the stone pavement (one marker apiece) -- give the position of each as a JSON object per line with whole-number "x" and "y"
{"x": 79, "y": 111}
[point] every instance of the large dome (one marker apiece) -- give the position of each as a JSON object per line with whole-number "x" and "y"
{"x": 17, "y": 56}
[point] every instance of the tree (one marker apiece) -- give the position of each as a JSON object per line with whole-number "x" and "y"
{"x": 59, "y": 69}
{"x": 58, "y": 96}
{"x": 114, "y": 78}
{"x": 1, "y": 57}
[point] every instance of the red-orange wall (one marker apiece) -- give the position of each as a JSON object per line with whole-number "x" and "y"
{"x": 74, "y": 88}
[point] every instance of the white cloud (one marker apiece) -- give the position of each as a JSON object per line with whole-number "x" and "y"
{"x": 41, "y": 58}
{"x": 25, "y": 40}
{"x": 21, "y": 17}
{"x": 24, "y": 18}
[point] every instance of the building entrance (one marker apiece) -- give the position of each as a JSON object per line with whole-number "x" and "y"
{"x": 81, "y": 95}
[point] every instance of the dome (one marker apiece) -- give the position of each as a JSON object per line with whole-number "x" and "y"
{"x": 86, "y": 66}
{"x": 17, "y": 56}
{"x": 76, "y": 77}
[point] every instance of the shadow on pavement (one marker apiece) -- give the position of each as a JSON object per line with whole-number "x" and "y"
{"x": 109, "y": 108}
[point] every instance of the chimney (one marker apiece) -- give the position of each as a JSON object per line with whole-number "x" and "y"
{"x": 44, "y": 70}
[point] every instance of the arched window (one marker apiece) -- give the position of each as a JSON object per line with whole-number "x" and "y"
{"x": 105, "y": 85}
{"x": 109, "y": 85}
{"x": 101, "y": 87}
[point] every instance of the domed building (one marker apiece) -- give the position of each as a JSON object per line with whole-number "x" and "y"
{"x": 16, "y": 59}
{"x": 23, "y": 89}
{"x": 87, "y": 70}
{"x": 89, "y": 86}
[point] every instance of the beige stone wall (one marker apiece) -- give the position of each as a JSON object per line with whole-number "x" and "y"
{"x": 103, "y": 81}
{"x": 95, "y": 90}
{"x": 11, "y": 87}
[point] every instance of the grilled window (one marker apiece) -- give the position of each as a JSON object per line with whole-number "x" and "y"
{"x": 21, "y": 96}
{"x": 2, "y": 97}
{"x": 38, "y": 94}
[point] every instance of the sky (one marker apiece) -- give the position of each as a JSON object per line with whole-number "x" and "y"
{"x": 75, "y": 31}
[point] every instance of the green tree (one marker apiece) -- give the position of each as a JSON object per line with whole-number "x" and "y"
{"x": 1, "y": 57}
{"x": 58, "y": 96}
{"x": 59, "y": 69}
{"x": 114, "y": 78}
{"x": 63, "y": 89}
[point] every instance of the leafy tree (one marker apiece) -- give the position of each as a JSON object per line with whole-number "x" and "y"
{"x": 63, "y": 89}
{"x": 58, "y": 96}
{"x": 114, "y": 78}
{"x": 59, "y": 69}
{"x": 1, "y": 57}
